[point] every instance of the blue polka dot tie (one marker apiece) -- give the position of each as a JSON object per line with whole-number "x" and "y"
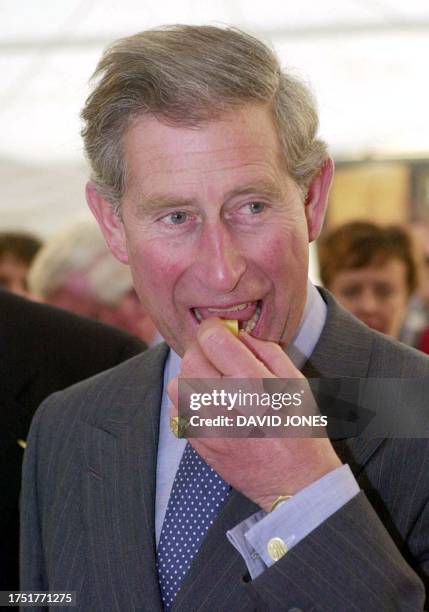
{"x": 196, "y": 497}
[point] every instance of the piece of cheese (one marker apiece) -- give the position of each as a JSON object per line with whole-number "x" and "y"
{"x": 232, "y": 325}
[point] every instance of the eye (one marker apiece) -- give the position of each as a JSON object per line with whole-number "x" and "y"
{"x": 384, "y": 291}
{"x": 252, "y": 213}
{"x": 256, "y": 207}
{"x": 178, "y": 217}
{"x": 350, "y": 291}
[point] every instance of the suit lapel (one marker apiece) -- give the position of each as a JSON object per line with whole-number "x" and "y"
{"x": 120, "y": 488}
{"x": 344, "y": 351}
{"x": 344, "y": 347}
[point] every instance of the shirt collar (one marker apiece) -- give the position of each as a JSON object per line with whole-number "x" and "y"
{"x": 310, "y": 328}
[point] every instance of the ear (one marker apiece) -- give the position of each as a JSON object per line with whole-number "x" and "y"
{"x": 109, "y": 222}
{"x": 317, "y": 198}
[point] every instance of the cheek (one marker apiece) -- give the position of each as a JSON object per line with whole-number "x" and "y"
{"x": 154, "y": 269}
{"x": 296, "y": 242}
{"x": 286, "y": 252}
{"x": 399, "y": 299}
{"x": 405, "y": 298}
{"x": 273, "y": 255}
{"x": 400, "y": 306}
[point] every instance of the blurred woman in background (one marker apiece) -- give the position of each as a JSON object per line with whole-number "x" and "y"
{"x": 372, "y": 271}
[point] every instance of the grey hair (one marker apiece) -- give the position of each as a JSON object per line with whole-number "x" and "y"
{"x": 190, "y": 75}
{"x": 79, "y": 248}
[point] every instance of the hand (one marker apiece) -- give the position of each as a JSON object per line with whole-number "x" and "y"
{"x": 260, "y": 468}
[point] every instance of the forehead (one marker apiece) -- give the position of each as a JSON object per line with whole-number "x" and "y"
{"x": 389, "y": 270}
{"x": 243, "y": 141}
{"x": 8, "y": 261}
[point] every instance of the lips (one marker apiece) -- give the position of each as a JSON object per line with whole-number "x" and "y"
{"x": 247, "y": 313}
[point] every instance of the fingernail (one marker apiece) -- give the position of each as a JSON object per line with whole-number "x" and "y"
{"x": 206, "y": 334}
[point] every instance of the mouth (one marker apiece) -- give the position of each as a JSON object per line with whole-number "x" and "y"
{"x": 247, "y": 314}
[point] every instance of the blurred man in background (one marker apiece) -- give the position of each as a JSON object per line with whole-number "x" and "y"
{"x": 372, "y": 271}
{"x": 43, "y": 349}
{"x": 76, "y": 271}
{"x": 17, "y": 250}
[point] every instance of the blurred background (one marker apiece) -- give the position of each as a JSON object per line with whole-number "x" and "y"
{"x": 365, "y": 60}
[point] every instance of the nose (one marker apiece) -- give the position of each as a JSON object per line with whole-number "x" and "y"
{"x": 220, "y": 262}
{"x": 368, "y": 303}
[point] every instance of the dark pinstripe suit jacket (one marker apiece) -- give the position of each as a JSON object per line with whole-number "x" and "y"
{"x": 88, "y": 505}
{"x": 43, "y": 349}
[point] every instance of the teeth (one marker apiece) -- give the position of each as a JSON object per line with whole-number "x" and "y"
{"x": 230, "y": 308}
{"x": 250, "y": 324}
{"x": 247, "y": 326}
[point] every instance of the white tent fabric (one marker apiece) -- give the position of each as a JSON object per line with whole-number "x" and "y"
{"x": 366, "y": 61}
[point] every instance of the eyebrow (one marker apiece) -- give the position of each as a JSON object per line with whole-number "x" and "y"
{"x": 157, "y": 203}
{"x": 266, "y": 188}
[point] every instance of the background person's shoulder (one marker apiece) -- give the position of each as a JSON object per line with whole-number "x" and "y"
{"x": 115, "y": 393}
{"x": 25, "y": 321}
{"x": 60, "y": 347}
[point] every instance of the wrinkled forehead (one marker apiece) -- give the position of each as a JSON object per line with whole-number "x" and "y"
{"x": 244, "y": 139}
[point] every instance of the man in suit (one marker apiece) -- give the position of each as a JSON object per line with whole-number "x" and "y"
{"x": 209, "y": 181}
{"x": 44, "y": 350}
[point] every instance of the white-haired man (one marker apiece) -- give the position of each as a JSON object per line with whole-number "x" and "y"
{"x": 76, "y": 271}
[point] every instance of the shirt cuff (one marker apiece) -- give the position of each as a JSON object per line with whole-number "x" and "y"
{"x": 292, "y": 520}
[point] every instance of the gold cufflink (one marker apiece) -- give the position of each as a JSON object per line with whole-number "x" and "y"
{"x": 21, "y": 443}
{"x": 276, "y": 548}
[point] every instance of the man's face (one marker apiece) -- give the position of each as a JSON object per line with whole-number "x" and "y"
{"x": 213, "y": 226}
{"x": 376, "y": 294}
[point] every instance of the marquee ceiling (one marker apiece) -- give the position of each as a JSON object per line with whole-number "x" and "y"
{"x": 366, "y": 61}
